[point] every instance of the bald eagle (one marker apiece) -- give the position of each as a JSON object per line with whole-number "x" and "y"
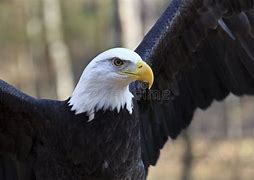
{"x": 113, "y": 126}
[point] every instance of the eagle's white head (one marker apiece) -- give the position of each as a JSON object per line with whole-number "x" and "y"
{"x": 105, "y": 81}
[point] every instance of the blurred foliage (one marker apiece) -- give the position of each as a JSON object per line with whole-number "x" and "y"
{"x": 11, "y": 31}
{"x": 88, "y": 27}
{"x": 87, "y": 24}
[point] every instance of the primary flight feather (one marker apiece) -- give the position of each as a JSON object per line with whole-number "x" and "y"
{"x": 112, "y": 127}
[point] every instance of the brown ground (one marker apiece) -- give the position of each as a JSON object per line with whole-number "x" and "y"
{"x": 213, "y": 160}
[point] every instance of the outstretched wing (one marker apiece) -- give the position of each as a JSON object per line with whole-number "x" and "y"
{"x": 18, "y": 113}
{"x": 200, "y": 51}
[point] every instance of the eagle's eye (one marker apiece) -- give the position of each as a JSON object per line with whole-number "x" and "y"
{"x": 117, "y": 62}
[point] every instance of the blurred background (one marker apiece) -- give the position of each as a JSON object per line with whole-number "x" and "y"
{"x": 45, "y": 45}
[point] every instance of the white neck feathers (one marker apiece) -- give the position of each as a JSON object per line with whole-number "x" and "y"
{"x": 93, "y": 94}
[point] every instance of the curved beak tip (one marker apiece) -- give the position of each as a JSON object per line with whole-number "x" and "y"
{"x": 145, "y": 73}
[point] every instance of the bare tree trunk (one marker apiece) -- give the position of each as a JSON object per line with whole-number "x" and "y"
{"x": 36, "y": 48}
{"x": 58, "y": 50}
{"x": 131, "y": 24}
{"x": 117, "y": 25}
{"x": 25, "y": 65}
{"x": 148, "y": 14}
{"x": 233, "y": 114}
{"x": 187, "y": 156}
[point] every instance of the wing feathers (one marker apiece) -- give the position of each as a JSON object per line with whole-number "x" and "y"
{"x": 20, "y": 121}
{"x": 200, "y": 51}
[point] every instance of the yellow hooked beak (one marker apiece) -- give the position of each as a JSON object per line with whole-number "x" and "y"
{"x": 142, "y": 72}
